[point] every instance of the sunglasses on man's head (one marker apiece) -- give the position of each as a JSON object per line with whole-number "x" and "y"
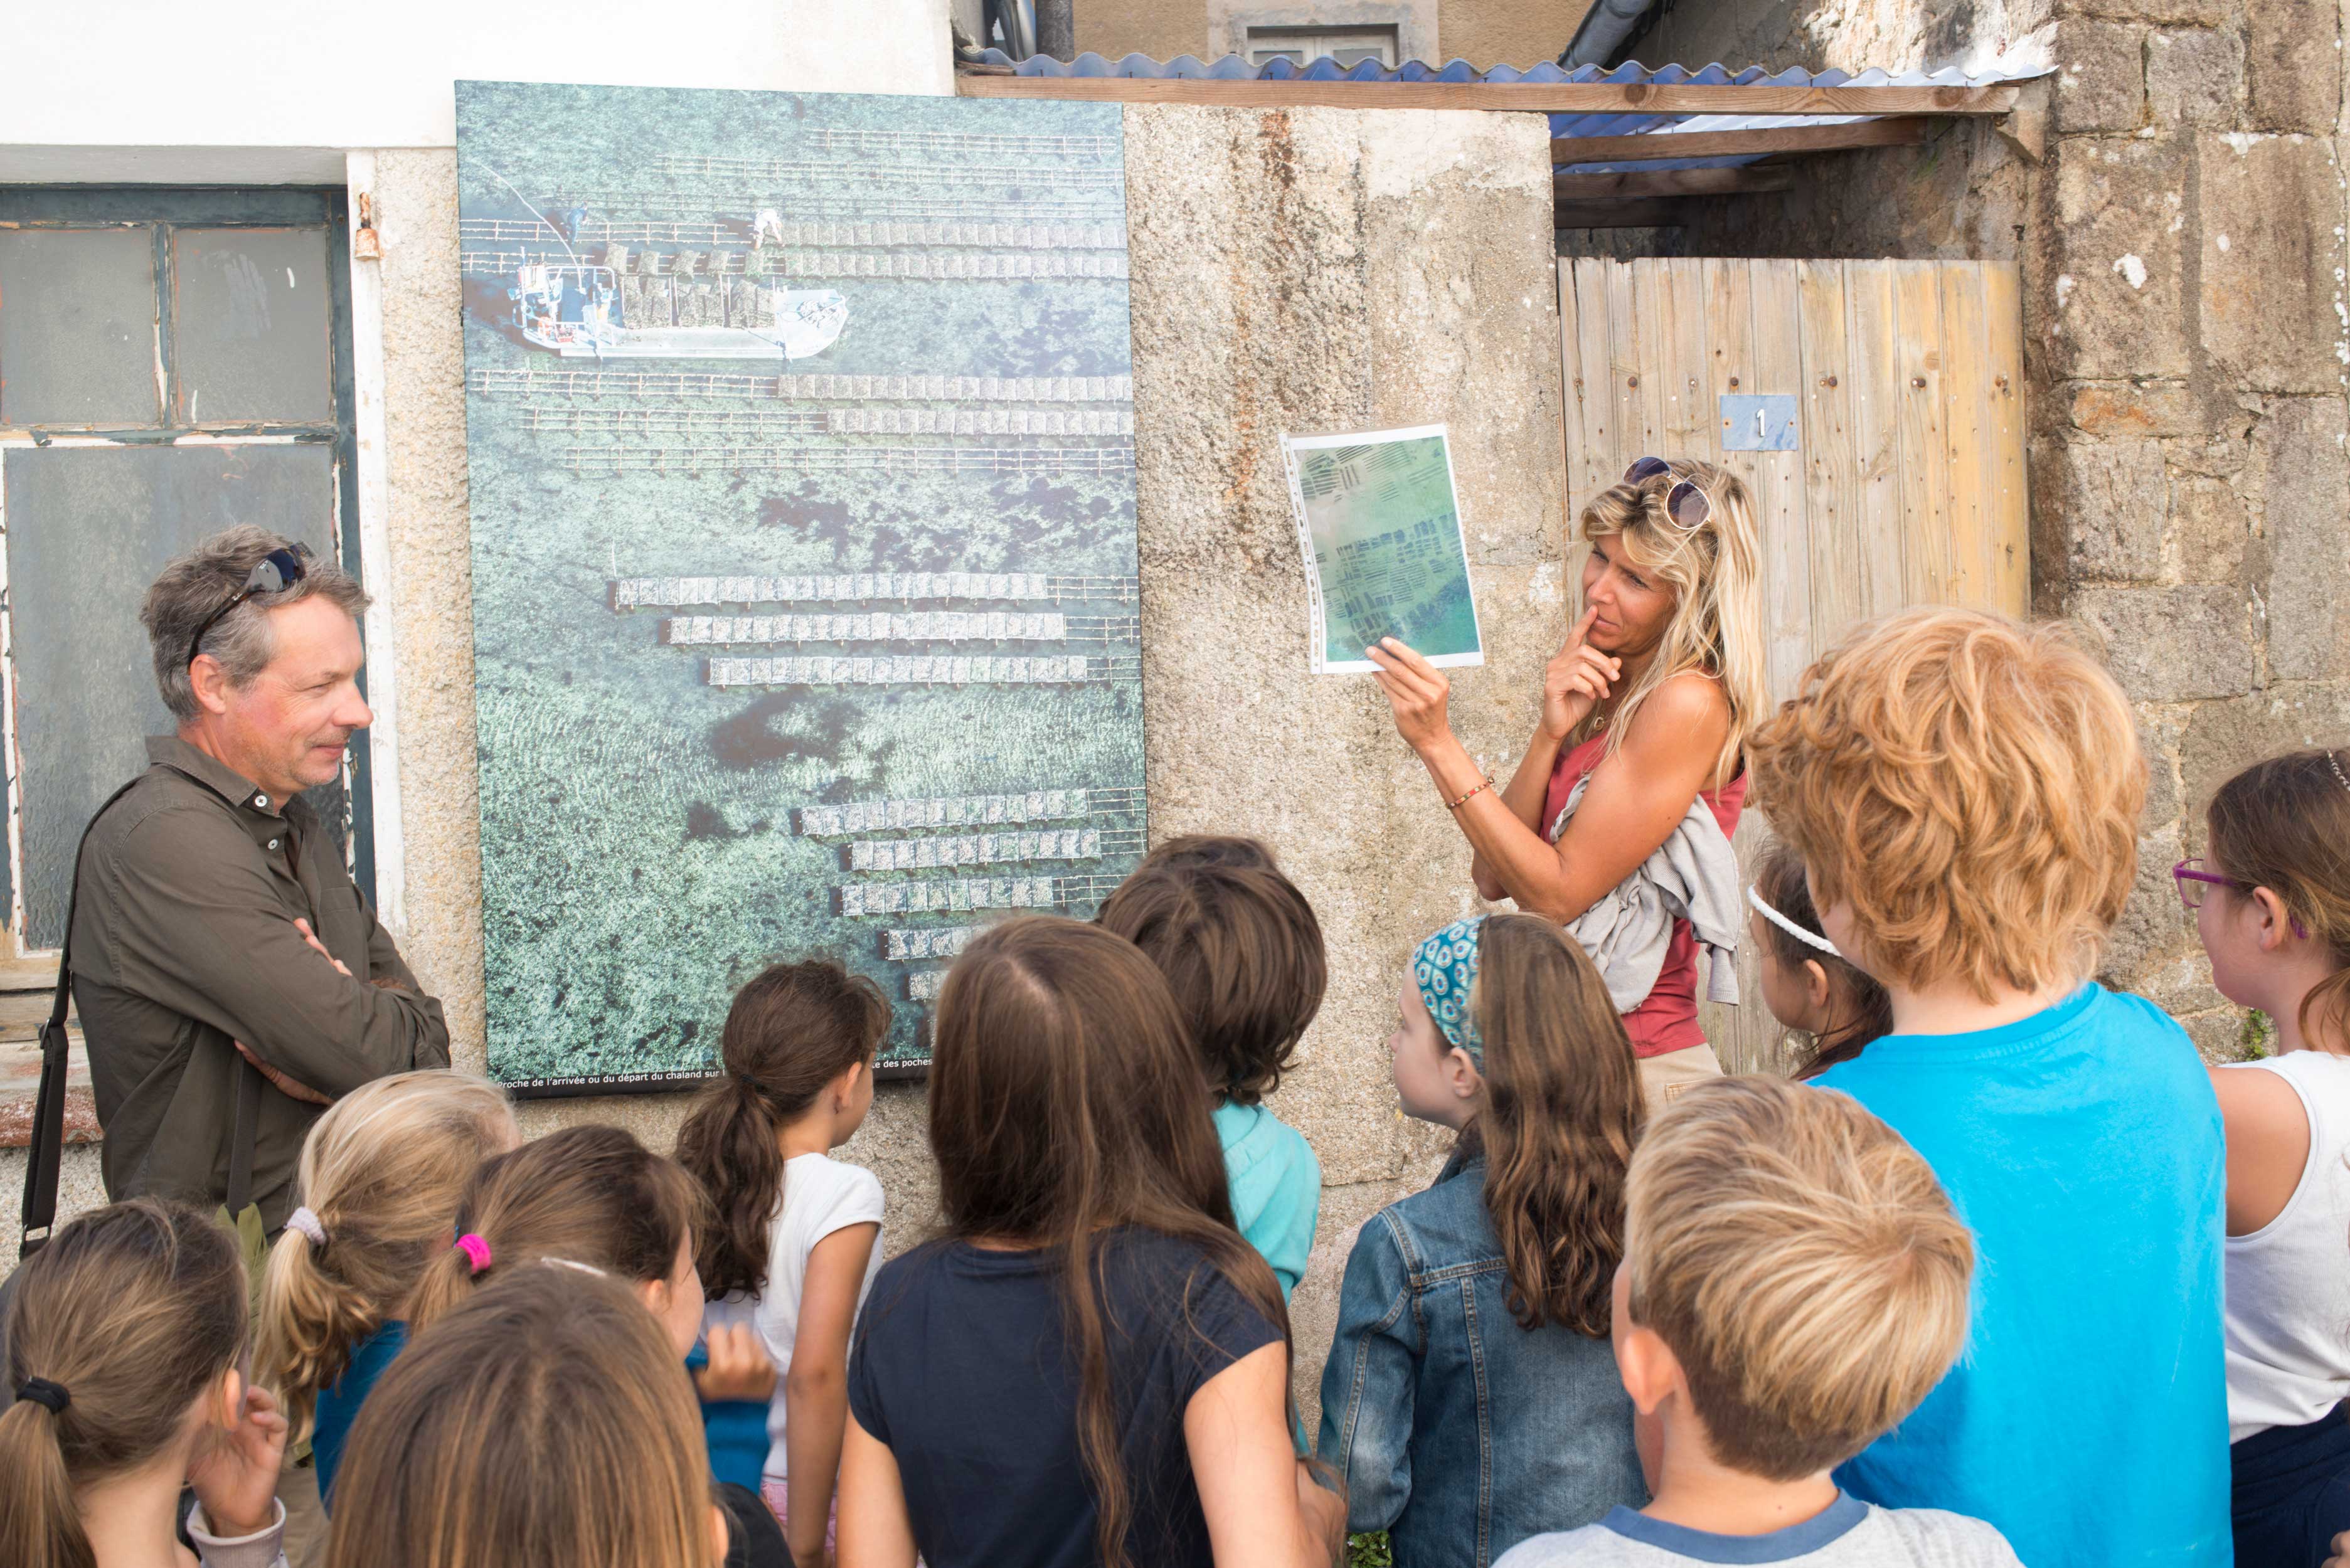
{"x": 1685, "y": 503}
{"x": 274, "y": 573}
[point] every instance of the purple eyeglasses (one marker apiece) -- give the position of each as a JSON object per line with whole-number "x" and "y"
{"x": 2189, "y": 877}
{"x": 1685, "y": 503}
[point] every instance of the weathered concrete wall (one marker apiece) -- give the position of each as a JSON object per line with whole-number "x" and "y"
{"x": 1521, "y": 33}
{"x": 2181, "y": 237}
{"x": 1309, "y": 271}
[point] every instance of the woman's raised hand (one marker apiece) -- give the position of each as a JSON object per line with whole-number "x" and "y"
{"x": 1578, "y": 679}
{"x": 1416, "y": 690}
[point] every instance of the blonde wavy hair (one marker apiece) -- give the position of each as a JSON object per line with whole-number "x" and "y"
{"x": 1716, "y": 573}
{"x": 1801, "y": 1262}
{"x": 382, "y": 1170}
{"x": 1969, "y": 788}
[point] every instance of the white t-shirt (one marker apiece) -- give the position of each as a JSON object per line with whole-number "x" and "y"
{"x": 820, "y": 1196}
{"x": 1850, "y": 1534}
{"x": 2288, "y": 1282}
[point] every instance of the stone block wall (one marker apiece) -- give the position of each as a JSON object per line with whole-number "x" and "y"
{"x": 2180, "y": 233}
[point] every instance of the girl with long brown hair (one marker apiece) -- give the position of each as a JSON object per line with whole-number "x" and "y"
{"x": 126, "y": 1352}
{"x": 791, "y": 1238}
{"x": 2271, "y": 902}
{"x": 1091, "y": 1365}
{"x": 1472, "y": 1399}
{"x": 543, "y": 1424}
{"x": 380, "y": 1176}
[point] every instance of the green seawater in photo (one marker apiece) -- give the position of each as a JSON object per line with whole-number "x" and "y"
{"x": 777, "y": 658}
{"x": 1386, "y": 545}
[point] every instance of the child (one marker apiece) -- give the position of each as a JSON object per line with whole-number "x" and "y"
{"x": 1091, "y": 1367}
{"x": 380, "y": 1176}
{"x": 2272, "y": 905}
{"x": 1242, "y": 952}
{"x": 791, "y": 1237}
{"x": 1808, "y": 986}
{"x": 1470, "y": 1400}
{"x": 126, "y": 1346}
{"x": 1964, "y": 794}
{"x": 542, "y": 1422}
{"x": 590, "y": 1201}
{"x": 1793, "y": 1282}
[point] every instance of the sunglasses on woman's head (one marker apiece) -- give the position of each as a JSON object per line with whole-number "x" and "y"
{"x": 1685, "y": 503}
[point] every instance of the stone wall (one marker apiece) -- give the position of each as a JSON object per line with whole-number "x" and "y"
{"x": 2180, "y": 231}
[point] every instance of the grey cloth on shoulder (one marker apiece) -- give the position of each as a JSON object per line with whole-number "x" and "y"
{"x": 1693, "y": 877}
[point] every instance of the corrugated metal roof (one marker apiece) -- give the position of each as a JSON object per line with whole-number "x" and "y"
{"x": 1232, "y": 68}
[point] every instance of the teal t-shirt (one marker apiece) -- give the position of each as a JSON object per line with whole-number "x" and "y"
{"x": 339, "y": 1403}
{"x": 2087, "y": 1416}
{"x": 1276, "y": 1186}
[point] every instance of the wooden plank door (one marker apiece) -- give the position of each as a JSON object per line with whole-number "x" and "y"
{"x": 1906, "y": 485}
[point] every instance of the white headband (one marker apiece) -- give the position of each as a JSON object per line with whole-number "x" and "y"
{"x": 1754, "y": 897}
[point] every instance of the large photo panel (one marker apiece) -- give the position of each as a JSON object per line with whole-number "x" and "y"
{"x": 800, "y": 431}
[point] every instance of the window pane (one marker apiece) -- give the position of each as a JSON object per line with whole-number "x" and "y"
{"x": 1262, "y": 57}
{"x": 249, "y": 317}
{"x": 78, "y": 326}
{"x": 1355, "y": 56}
{"x": 88, "y": 528}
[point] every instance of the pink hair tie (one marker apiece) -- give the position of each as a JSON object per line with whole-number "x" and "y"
{"x": 476, "y": 1250}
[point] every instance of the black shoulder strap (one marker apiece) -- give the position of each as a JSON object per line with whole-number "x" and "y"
{"x": 47, "y": 1147}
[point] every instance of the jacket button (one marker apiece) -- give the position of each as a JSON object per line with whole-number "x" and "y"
{"x": 272, "y": 843}
{"x": 262, "y": 800}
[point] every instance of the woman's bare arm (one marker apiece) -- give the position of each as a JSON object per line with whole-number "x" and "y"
{"x": 1633, "y": 802}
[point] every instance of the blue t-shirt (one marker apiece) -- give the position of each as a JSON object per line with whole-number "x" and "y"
{"x": 735, "y": 1430}
{"x": 339, "y": 1403}
{"x": 2087, "y": 1416}
{"x": 1276, "y": 1186}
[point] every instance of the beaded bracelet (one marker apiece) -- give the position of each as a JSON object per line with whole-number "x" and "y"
{"x": 1472, "y": 795}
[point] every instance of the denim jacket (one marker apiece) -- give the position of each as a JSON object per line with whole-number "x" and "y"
{"x": 1455, "y": 1429}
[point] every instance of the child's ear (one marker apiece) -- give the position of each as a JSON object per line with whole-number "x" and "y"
{"x": 1651, "y": 1371}
{"x": 2275, "y": 922}
{"x": 719, "y": 1536}
{"x": 1816, "y": 986}
{"x": 227, "y": 1402}
{"x": 1461, "y": 1074}
{"x": 844, "y": 1086}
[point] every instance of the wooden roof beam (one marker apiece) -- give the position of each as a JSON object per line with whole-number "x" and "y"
{"x": 1665, "y": 182}
{"x": 1557, "y": 97}
{"x": 1900, "y": 132}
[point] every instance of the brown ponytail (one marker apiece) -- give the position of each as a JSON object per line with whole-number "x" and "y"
{"x": 1562, "y": 1109}
{"x": 793, "y": 1030}
{"x": 131, "y": 1313}
{"x": 382, "y": 1170}
{"x": 2284, "y": 825}
{"x": 590, "y": 1195}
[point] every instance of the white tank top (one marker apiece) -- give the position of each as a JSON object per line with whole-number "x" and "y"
{"x": 2288, "y": 1317}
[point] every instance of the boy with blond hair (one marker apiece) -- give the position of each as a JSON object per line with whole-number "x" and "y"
{"x": 1964, "y": 792}
{"x": 1793, "y": 1282}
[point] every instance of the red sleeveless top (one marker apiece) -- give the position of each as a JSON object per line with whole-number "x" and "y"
{"x": 1668, "y": 1020}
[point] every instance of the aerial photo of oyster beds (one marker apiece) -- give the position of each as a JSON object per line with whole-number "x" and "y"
{"x": 800, "y": 434}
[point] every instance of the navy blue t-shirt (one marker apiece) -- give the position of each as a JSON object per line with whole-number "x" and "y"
{"x": 964, "y": 1367}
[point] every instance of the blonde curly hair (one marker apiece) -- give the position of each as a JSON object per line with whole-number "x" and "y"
{"x": 1715, "y": 570}
{"x": 1969, "y": 788}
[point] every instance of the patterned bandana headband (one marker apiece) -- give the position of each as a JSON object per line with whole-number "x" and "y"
{"x": 2336, "y": 764}
{"x": 1445, "y": 970}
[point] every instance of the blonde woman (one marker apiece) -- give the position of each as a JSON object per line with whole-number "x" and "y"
{"x": 1649, "y": 700}
{"x": 380, "y": 1176}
